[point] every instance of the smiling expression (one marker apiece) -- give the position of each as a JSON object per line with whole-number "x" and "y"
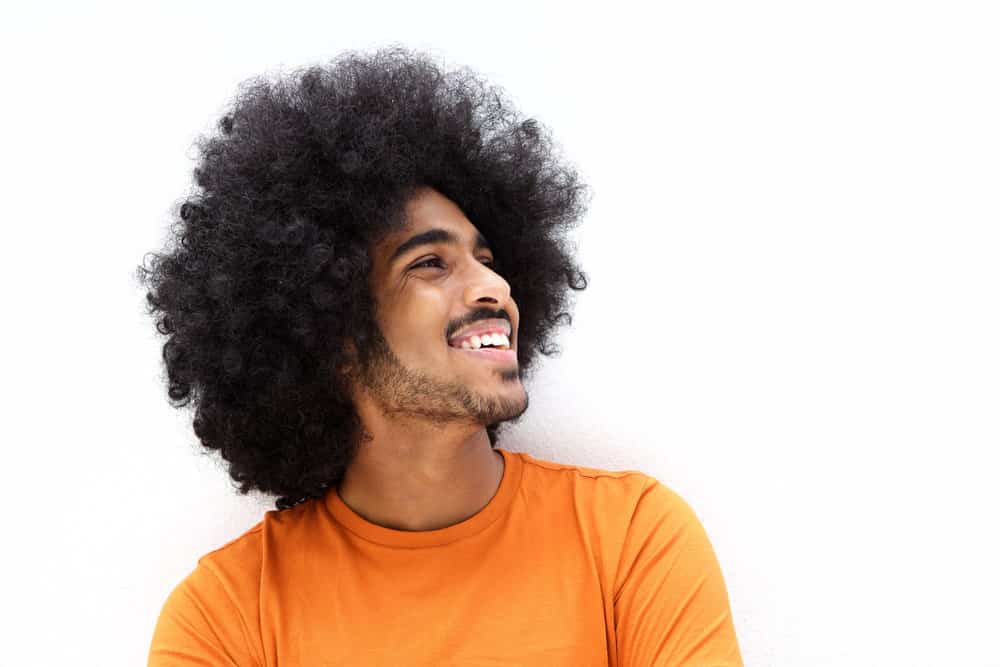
{"x": 438, "y": 298}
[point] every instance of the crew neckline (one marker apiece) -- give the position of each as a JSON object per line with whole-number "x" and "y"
{"x": 498, "y": 504}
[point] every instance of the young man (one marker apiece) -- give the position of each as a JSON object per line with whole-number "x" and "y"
{"x": 356, "y": 297}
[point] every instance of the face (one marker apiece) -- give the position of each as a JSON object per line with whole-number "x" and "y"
{"x": 437, "y": 294}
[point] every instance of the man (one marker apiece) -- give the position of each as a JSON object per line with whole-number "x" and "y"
{"x": 354, "y": 302}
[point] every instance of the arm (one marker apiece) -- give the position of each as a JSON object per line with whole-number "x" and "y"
{"x": 671, "y": 604}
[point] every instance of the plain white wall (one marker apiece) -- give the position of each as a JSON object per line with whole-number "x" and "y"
{"x": 792, "y": 318}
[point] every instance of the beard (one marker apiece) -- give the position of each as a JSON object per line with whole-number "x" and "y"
{"x": 400, "y": 390}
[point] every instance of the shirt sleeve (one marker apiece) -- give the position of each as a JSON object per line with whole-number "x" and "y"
{"x": 671, "y": 603}
{"x": 200, "y": 625}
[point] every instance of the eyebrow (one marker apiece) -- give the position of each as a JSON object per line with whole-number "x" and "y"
{"x": 432, "y": 236}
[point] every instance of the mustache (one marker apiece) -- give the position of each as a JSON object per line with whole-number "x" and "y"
{"x": 476, "y": 316}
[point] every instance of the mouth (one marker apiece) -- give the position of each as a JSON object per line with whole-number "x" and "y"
{"x": 496, "y": 348}
{"x": 488, "y": 354}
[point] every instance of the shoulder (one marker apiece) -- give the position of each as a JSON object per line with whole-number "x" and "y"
{"x": 240, "y": 557}
{"x": 227, "y": 577}
{"x": 213, "y": 613}
{"x": 548, "y": 468}
{"x": 627, "y": 499}
{"x": 625, "y": 486}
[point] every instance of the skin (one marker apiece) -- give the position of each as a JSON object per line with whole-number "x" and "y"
{"x": 425, "y": 462}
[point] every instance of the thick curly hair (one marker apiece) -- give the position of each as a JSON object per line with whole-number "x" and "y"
{"x": 265, "y": 273}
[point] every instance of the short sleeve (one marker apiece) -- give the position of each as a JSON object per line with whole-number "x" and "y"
{"x": 671, "y": 603}
{"x": 200, "y": 625}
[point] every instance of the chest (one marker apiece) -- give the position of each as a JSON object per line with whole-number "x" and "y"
{"x": 540, "y": 603}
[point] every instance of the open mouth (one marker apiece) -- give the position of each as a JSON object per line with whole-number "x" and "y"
{"x": 492, "y": 347}
{"x": 489, "y": 353}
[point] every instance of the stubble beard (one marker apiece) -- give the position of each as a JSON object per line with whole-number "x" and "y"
{"x": 407, "y": 392}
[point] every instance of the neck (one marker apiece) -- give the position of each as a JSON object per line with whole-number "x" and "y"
{"x": 413, "y": 475}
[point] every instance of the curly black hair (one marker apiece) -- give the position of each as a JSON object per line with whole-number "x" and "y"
{"x": 265, "y": 274}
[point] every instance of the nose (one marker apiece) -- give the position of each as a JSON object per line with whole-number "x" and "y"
{"x": 484, "y": 284}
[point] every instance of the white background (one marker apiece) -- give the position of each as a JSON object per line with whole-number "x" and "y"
{"x": 792, "y": 318}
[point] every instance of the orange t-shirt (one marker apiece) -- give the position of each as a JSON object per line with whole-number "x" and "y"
{"x": 565, "y": 566}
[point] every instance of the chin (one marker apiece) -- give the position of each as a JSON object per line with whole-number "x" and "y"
{"x": 507, "y": 405}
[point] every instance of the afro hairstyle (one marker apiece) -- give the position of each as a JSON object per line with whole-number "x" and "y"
{"x": 264, "y": 275}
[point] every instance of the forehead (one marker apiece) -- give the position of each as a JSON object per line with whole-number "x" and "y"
{"x": 430, "y": 217}
{"x": 427, "y": 205}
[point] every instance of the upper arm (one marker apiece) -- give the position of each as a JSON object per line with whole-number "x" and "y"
{"x": 671, "y": 603}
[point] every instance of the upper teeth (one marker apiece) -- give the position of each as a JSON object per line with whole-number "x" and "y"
{"x": 496, "y": 340}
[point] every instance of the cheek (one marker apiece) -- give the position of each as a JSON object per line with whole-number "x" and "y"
{"x": 418, "y": 321}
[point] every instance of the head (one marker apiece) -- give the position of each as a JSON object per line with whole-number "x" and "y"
{"x": 440, "y": 299}
{"x": 348, "y": 220}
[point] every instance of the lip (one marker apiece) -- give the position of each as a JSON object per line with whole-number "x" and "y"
{"x": 495, "y": 324}
{"x": 490, "y": 354}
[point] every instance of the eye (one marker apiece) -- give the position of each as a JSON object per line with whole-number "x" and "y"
{"x": 431, "y": 261}
{"x": 426, "y": 262}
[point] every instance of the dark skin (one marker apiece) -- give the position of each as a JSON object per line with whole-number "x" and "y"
{"x": 428, "y": 463}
